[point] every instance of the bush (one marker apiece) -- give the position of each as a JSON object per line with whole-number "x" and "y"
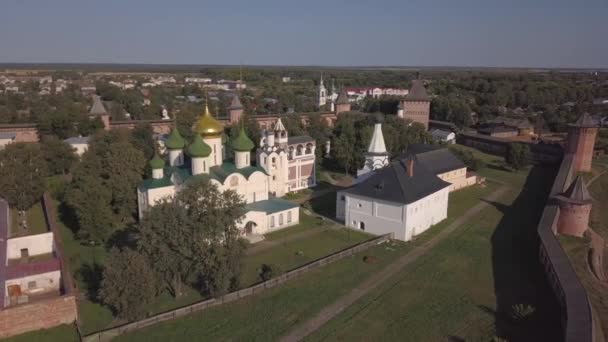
{"x": 269, "y": 271}
{"x": 518, "y": 155}
{"x": 467, "y": 157}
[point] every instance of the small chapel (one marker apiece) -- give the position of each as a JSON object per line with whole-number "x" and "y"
{"x": 284, "y": 164}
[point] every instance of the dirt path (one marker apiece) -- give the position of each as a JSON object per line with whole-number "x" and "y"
{"x": 342, "y": 303}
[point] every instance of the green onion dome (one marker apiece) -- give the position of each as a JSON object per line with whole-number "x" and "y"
{"x": 242, "y": 143}
{"x": 157, "y": 162}
{"x": 175, "y": 140}
{"x": 199, "y": 148}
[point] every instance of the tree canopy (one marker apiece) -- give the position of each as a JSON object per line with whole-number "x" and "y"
{"x": 22, "y": 172}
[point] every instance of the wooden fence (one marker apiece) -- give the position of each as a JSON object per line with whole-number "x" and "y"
{"x": 108, "y": 334}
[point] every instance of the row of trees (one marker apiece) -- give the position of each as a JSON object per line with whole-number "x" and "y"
{"x": 192, "y": 241}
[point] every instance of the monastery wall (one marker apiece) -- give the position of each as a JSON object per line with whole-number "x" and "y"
{"x": 43, "y": 314}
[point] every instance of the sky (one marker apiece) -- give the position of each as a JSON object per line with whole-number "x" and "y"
{"x": 483, "y": 33}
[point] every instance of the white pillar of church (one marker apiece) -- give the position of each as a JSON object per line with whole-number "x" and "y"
{"x": 176, "y": 157}
{"x": 376, "y": 157}
{"x": 199, "y": 165}
{"x": 241, "y": 159}
{"x": 157, "y": 173}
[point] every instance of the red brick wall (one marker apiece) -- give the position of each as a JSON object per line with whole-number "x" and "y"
{"x": 292, "y": 172}
{"x": 581, "y": 142}
{"x": 27, "y": 133}
{"x": 573, "y": 219}
{"x": 38, "y": 315}
{"x": 342, "y": 108}
{"x": 306, "y": 170}
{"x": 417, "y": 111}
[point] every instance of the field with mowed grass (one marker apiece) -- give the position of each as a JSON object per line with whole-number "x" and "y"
{"x": 299, "y": 299}
{"x": 63, "y": 333}
{"x": 467, "y": 286}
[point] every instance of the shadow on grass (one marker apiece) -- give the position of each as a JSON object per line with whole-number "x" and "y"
{"x": 91, "y": 275}
{"x": 518, "y": 275}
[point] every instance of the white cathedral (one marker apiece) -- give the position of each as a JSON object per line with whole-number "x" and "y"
{"x": 284, "y": 164}
{"x": 323, "y": 96}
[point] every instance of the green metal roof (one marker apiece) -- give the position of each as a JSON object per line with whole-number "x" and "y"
{"x": 157, "y": 162}
{"x": 184, "y": 174}
{"x": 175, "y": 140}
{"x": 199, "y": 148}
{"x": 273, "y": 205}
{"x": 242, "y": 142}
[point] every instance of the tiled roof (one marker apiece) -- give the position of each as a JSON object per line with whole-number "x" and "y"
{"x": 299, "y": 140}
{"x": 97, "y": 108}
{"x": 577, "y": 192}
{"x": 342, "y": 97}
{"x": 7, "y": 135}
{"x": 393, "y": 184}
{"x": 236, "y": 103}
{"x": 584, "y": 120}
{"x": 78, "y": 140}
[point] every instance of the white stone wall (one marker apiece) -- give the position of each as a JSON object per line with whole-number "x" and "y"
{"x": 176, "y": 157}
{"x": 35, "y": 244}
{"x": 241, "y": 159}
{"x": 380, "y": 217}
{"x": 458, "y": 179}
{"x": 80, "y": 149}
{"x": 45, "y": 282}
{"x": 253, "y": 189}
{"x": 217, "y": 153}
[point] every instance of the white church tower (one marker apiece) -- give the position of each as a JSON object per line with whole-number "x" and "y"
{"x": 321, "y": 93}
{"x": 376, "y": 157}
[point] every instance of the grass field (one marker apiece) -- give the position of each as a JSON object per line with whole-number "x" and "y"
{"x": 63, "y": 333}
{"x": 465, "y": 287}
{"x": 35, "y": 222}
{"x": 285, "y": 307}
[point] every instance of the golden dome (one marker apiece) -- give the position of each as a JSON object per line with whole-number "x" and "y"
{"x": 208, "y": 126}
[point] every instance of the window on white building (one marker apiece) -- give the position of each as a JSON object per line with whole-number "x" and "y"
{"x": 280, "y": 219}
{"x": 362, "y": 225}
{"x": 271, "y": 221}
{"x": 31, "y": 285}
{"x": 288, "y": 216}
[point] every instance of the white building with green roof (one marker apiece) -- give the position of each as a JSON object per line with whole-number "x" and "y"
{"x": 203, "y": 158}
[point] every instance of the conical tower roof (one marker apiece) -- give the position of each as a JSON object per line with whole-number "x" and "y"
{"x": 175, "y": 140}
{"x": 242, "y": 143}
{"x": 97, "y": 108}
{"x": 376, "y": 145}
{"x": 278, "y": 126}
{"x": 207, "y": 125}
{"x": 198, "y": 148}
{"x": 417, "y": 92}
{"x": 236, "y": 103}
{"x": 157, "y": 162}
{"x": 342, "y": 97}
{"x": 577, "y": 192}
{"x": 584, "y": 121}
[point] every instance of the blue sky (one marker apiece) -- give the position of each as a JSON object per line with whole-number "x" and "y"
{"x": 508, "y": 33}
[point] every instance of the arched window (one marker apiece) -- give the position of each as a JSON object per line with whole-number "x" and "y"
{"x": 308, "y": 148}
{"x": 299, "y": 150}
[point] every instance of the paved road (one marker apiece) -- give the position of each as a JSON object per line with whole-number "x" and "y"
{"x": 342, "y": 303}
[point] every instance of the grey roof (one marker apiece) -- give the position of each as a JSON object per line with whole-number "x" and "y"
{"x": 393, "y": 184}
{"x": 342, "y": 97}
{"x": 435, "y": 159}
{"x": 78, "y": 140}
{"x": 236, "y": 103}
{"x": 299, "y": 140}
{"x": 577, "y": 192}
{"x": 417, "y": 92}
{"x": 270, "y": 206}
{"x": 97, "y": 107}
{"x": 584, "y": 120}
{"x": 519, "y": 123}
{"x": 7, "y": 135}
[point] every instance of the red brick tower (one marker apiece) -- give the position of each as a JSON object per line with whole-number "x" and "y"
{"x": 235, "y": 110}
{"x": 342, "y": 103}
{"x": 574, "y": 209}
{"x": 581, "y": 139}
{"x": 417, "y": 105}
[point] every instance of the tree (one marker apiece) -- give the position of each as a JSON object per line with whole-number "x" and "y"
{"x": 344, "y": 144}
{"x": 22, "y": 171}
{"x": 108, "y": 172}
{"x": 194, "y": 240}
{"x": 142, "y": 138}
{"x": 128, "y": 283}
{"x": 59, "y": 155}
{"x": 518, "y": 155}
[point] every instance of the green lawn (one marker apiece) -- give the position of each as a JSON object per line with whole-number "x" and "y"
{"x": 63, "y": 333}
{"x": 267, "y": 316}
{"x": 35, "y": 222}
{"x": 452, "y": 291}
{"x": 599, "y": 211}
{"x": 300, "y": 299}
{"x": 290, "y": 255}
